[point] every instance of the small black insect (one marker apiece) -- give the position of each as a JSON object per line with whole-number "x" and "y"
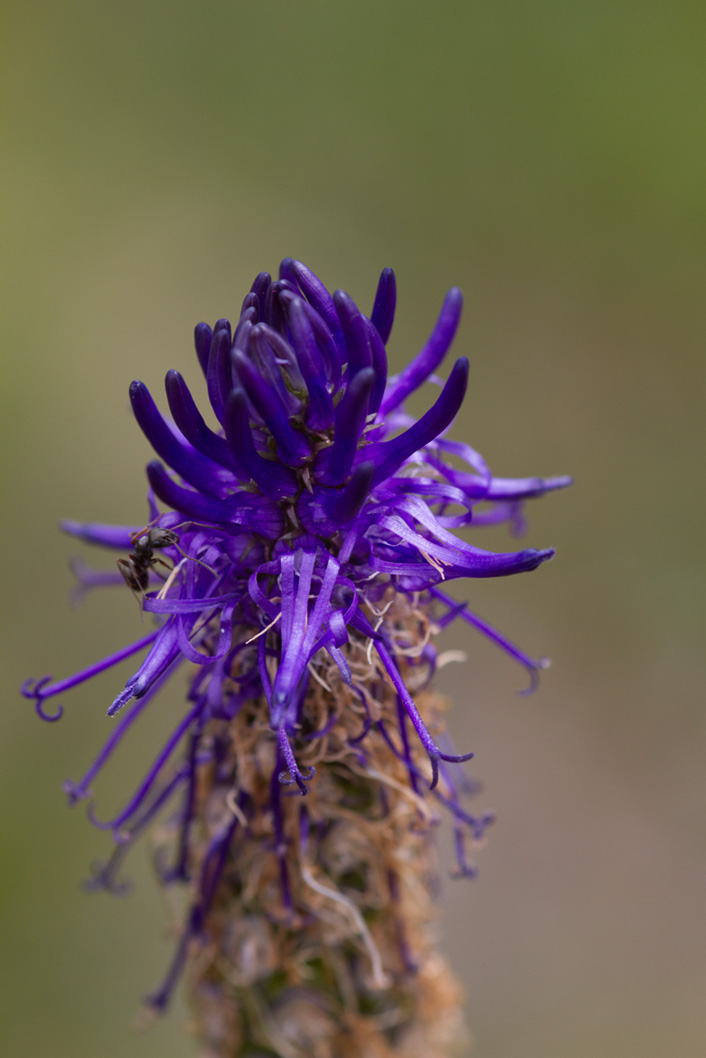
{"x": 135, "y": 569}
{"x": 154, "y": 539}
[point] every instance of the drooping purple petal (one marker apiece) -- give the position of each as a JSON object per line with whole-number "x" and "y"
{"x": 78, "y": 791}
{"x": 114, "y": 536}
{"x": 43, "y": 689}
{"x": 163, "y": 654}
{"x": 533, "y": 665}
{"x": 295, "y": 775}
{"x": 123, "y": 817}
{"x": 433, "y": 751}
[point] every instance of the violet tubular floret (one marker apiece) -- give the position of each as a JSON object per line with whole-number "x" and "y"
{"x": 303, "y": 542}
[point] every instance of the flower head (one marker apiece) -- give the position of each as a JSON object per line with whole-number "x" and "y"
{"x": 304, "y": 542}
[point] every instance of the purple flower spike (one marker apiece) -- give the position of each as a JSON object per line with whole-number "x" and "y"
{"x": 296, "y": 568}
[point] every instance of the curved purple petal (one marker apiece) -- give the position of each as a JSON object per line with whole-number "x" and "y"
{"x": 189, "y": 464}
{"x": 389, "y": 455}
{"x": 192, "y": 424}
{"x": 429, "y": 358}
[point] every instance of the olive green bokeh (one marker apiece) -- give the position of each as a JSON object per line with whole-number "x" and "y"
{"x": 548, "y": 158}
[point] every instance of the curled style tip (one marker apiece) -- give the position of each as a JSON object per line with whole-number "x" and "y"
{"x": 39, "y": 691}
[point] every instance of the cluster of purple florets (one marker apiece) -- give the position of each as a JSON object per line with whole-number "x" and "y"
{"x": 313, "y": 494}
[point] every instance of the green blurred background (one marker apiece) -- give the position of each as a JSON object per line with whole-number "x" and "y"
{"x": 549, "y": 158}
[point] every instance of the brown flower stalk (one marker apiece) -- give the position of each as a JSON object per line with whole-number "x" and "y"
{"x": 350, "y": 969}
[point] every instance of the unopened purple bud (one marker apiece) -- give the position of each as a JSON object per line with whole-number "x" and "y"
{"x": 192, "y": 466}
{"x": 334, "y": 464}
{"x": 383, "y": 313}
{"x": 355, "y": 333}
{"x": 191, "y": 423}
{"x": 202, "y": 341}
{"x": 271, "y": 478}
{"x": 292, "y": 446}
{"x": 309, "y": 359}
{"x": 218, "y": 376}
{"x": 316, "y": 294}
